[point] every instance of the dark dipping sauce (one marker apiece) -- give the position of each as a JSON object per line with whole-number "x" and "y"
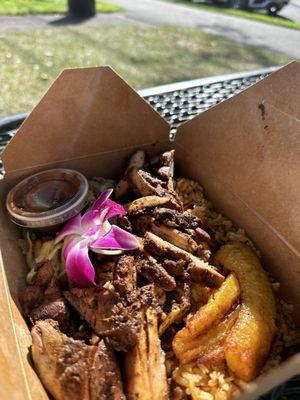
{"x": 48, "y": 198}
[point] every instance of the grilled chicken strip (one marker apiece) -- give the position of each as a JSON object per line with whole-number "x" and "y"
{"x": 145, "y": 369}
{"x": 137, "y": 160}
{"x": 143, "y": 184}
{"x": 105, "y": 313}
{"x": 205, "y": 273}
{"x": 166, "y": 159}
{"x": 154, "y": 272}
{"x": 176, "y": 219}
{"x": 166, "y": 171}
{"x": 125, "y": 277}
{"x": 174, "y": 268}
{"x": 72, "y": 370}
{"x": 180, "y": 300}
{"x": 176, "y": 237}
{"x": 203, "y": 235}
{"x": 147, "y": 202}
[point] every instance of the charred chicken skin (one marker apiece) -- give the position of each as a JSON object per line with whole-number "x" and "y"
{"x": 72, "y": 370}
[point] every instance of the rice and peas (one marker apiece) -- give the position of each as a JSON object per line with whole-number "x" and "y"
{"x": 207, "y": 382}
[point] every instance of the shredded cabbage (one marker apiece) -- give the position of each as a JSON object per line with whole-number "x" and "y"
{"x": 38, "y": 252}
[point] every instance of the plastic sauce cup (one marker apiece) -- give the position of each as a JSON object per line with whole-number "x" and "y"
{"x": 46, "y": 200}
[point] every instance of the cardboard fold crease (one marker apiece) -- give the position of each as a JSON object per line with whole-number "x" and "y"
{"x": 244, "y": 151}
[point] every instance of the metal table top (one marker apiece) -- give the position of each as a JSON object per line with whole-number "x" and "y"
{"x": 175, "y": 102}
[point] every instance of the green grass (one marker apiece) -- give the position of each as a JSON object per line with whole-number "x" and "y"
{"x": 21, "y": 7}
{"x": 145, "y": 56}
{"x": 268, "y": 19}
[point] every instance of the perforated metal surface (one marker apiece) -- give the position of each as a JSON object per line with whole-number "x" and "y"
{"x": 181, "y": 102}
{"x": 176, "y": 102}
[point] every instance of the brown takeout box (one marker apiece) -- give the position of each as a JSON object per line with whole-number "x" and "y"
{"x": 244, "y": 151}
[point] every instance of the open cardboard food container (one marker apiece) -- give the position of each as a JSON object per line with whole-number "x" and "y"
{"x": 244, "y": 151}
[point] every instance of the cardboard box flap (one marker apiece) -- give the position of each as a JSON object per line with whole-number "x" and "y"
{"x": 247, "y": 147}
{"x": 275, "y": 377}
{"x": 85, "y": 112}
{"x": 281, "y": 89}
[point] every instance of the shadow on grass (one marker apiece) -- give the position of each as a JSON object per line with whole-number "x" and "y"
{"x": 69, "y": 20}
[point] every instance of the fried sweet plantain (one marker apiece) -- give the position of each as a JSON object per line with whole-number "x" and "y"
{"x": 209, "y": 347}
{"x": 209, "y": 315}
{"x": 248, "y": 344}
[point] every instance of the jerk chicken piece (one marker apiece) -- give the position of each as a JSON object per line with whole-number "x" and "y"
{"x": 166, "y": 170}
{"x": 176, "y": 219}
{"x": 176, "y": 237}
{"x": 185, "y": 241}
{"x": 144, "y": 203}
{"x": 174, "y": 268}
{"x": 146, "y": 377}
{"x": 179, "y": 303}
{"x": 125, "y": 277}
{"x": 53, "y": 310}
{"x": 203, "y": 235}
{"x": 57, "y": 310}
{"x": 106, "y": 314}
{"x": 44, "y": 300}
{"x": 148, "y": 267}
{"x": 137, "y": 160}
{"x": 72, "y": 370}
{"x": 105, "y": 377}
{"x": 144, "y": 184}
{"x": 198, "y": 269}
{"x": 30, "y": 297}
{"x": 124, "y": 223}
{"x": 44, "y": 275}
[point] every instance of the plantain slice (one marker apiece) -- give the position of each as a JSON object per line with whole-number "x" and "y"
{"x": 145, "y": 369}
{"x": 218, "y": 306}
{"x": 248, "y": 344}
{"x": 209, "y": 347}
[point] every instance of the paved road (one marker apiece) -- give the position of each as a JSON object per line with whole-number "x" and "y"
{"x": 155, "y": 12}
{"x": 291, "y": 11}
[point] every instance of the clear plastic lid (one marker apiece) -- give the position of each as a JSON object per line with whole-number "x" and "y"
{"x": 47, "y": 198}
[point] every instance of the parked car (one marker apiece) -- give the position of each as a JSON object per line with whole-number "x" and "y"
{"x": 271, "y": 6}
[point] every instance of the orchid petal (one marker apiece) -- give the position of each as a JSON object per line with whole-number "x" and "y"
{"x": 72, "y": 227}
{"x": 106, "y": 252}
{"x": 79, "y": 268}
{"x": 90, "y": 219}
{"x": 100, "y": 202}
{"x": 113, "y": 209}
{"x": 97, "y": 231}
{"x": 69, "y": 245}
{"x": 92, "y": 231}
{"x": 116, "y": 238}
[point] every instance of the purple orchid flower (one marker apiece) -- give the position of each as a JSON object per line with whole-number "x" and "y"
{"x": 93, "y": 231}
